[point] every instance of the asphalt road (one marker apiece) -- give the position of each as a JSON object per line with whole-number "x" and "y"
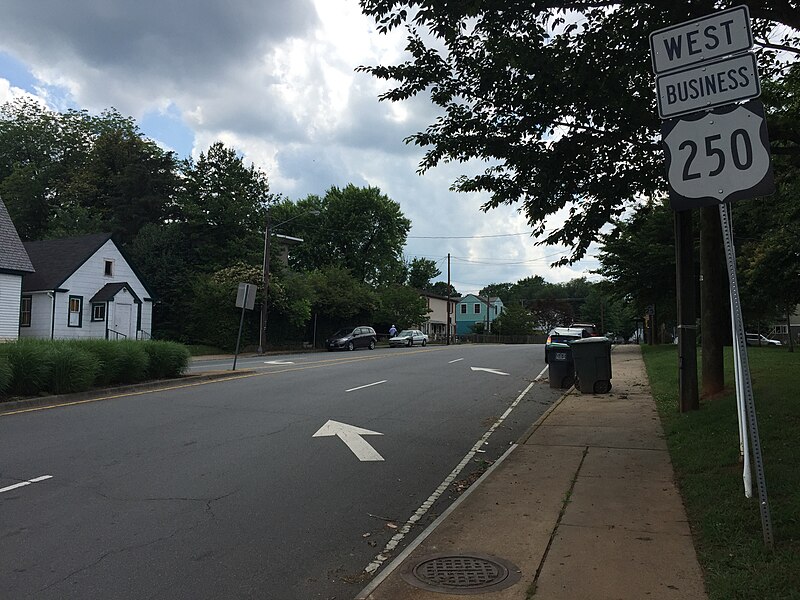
{"x": 221, "y": 490}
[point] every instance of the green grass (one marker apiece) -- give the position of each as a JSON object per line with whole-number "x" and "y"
{"x": 704, "y": 446}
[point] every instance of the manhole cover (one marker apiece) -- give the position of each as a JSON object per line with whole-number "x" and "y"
{"x": 461, "y": 574}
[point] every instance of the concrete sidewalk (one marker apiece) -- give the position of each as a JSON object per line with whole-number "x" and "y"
{"x": 583, "y": 508}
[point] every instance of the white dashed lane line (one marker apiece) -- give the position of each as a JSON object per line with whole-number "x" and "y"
{"x": 24, "y": 483}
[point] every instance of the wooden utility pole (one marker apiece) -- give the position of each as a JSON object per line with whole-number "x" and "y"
{"x": 687, "y": 318}
{"x": 449, "y": 319}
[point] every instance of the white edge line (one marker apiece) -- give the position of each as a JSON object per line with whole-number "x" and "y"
{"x": 24, "y": 483}
{"x": 420, "y": 512}
{"x": 454, "y": 361}
{"x": 539, "y": 376}
{"x": 361, "y": 387}
{"x": 389, "y": 569}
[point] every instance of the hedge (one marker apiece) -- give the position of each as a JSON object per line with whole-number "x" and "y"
{"x": 32, "y": 367}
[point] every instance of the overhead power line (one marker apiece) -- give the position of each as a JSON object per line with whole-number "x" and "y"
{"x": 465, "y": 237}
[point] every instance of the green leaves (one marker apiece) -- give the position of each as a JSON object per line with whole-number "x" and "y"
{"x": 557, "y": 97}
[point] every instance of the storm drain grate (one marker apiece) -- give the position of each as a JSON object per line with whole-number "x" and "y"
{"x": 461, "y": 574}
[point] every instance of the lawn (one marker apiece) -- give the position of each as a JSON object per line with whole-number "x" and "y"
{"x": 704, "y": 446}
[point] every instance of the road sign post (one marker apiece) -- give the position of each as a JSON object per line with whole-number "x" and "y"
{"x": 714, "y": 157}
{"x": 246, "y": 300}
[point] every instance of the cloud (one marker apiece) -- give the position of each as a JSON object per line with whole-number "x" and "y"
{"x": 275, "y": 80}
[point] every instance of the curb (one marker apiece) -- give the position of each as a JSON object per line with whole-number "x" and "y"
{"x": 100, "y": 393}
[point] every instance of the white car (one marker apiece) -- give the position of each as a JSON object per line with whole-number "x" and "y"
{"x": 409, "y": 337}
{"x": 756, "y": 339}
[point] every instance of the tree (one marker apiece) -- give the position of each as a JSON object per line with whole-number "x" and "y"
{"x": 638, "y": 259}
{"x": 400, "y": 305}
{"x": 29, "y": 164}
{"x": 126, "y": 180}
{"x": 420, "y": 273}
{"x": 515, "y": 320}
{"x": 498, "y": 290}
{"x": 358, "y": 229}
{"x": 221, "y": 206}
{"x": 71, "y": 173}
{"x": 440, "y": 288}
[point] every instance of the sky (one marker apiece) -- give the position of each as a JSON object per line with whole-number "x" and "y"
{"x": 275, "y": 80}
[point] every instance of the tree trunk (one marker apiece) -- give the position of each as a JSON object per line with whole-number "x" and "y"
{"x": 714, "y": 302}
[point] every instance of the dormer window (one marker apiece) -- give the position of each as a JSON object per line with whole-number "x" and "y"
{"x": 109, "y": 268}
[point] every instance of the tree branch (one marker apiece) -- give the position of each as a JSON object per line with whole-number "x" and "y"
{"x": 782, "y": 47}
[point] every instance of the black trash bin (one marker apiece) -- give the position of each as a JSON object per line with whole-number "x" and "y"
{"x": 561, "y": 368}
{"x": 592, "y": 358}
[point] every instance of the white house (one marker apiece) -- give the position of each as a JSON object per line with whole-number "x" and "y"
{"x": 14, "y": 264}
{"x": 83, "y": 287}
{"x": 436, "y": 325}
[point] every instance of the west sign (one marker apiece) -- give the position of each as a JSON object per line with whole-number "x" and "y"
{"x": 701, "y": 40}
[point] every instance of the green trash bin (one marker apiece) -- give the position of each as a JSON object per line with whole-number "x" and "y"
{"x": 560, "y": 367}
{"x": 592, "y": 358}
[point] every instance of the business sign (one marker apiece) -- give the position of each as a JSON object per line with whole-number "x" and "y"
{"x": 701, "y": 40}
{"x": 717, "y": 157}
{"x": 712, "y": 84}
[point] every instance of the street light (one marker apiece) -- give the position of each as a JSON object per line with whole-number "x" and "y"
{"x": 268, "y": 230}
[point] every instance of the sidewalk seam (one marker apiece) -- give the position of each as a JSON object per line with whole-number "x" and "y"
{"x": 531, "y": 591}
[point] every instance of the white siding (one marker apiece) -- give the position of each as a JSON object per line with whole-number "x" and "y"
{"x": 10, "y": 290}
{"x": 41, "y": 317}
{"x": 86, "y": 282}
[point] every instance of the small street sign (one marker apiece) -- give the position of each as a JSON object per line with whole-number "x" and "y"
{"x": 708, "y": 85}
{"x": 246, "y": 296}
{"x": 717, "y": 157}
{"x": 700, "y": 40}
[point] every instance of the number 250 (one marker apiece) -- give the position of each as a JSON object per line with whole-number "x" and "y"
{"x": 711, "y": 150}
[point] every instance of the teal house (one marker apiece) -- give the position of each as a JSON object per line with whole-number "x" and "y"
{"x": 474, "y": 309}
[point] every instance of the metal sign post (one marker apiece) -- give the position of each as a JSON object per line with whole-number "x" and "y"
{"x": 246, "y": 300}
{"x": 743, "y": 367}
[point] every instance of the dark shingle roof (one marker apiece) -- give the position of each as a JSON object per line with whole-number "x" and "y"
{"x": 12, "y": 253}
{"x": 56, "y": 260}
{"x": 109, "y": 290}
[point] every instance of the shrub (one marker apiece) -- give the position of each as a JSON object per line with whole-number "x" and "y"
{"x": 31, "y": 364}
{"x": 5, "y": 374}
{"x": 106, "y": 353}
{"x": 74, "y": 369}
{"x": 167, "y": 359}
{"x": 132, "y": 362}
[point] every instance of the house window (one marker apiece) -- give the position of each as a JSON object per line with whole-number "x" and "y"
{"x": 109, "y": 268}
{"x": 463, "y": 309}
{"x": 98, "y": 312}
{"x": 25, "y": 311}
{"x": 75, "y": 318}
{"x": 477, "y": 309}
{"x": 495, "y": 309}
{"x": 780, "y": 329}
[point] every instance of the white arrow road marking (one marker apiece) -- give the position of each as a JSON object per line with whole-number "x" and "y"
{"x": 495, "y": 371}
{"x": 278, "y": 362}
{"x": 456, "y": 360}
{"x": 24, "y": 483}
{"x": 351, "y": 435}
{"x": 361, "y": 387}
